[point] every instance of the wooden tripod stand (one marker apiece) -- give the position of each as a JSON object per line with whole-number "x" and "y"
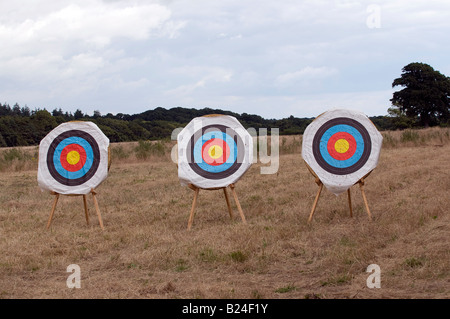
{"x": 320, "y": 184}
{"x": 230, "y": 211}
{"x": 85, "y": 208}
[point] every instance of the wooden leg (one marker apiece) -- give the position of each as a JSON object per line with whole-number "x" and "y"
{"x": 315, "y": 203}
{"x": 53, "y": 210}
{"x": 361, "y": 185}
{"x": 238, "y": 204}
{"x": 230, "y": 211}
{"x": 98, "y": 210}
{"x": 86, "y": 209}
{"x": 350, "y": 202}
{"x": 194, "y": 204}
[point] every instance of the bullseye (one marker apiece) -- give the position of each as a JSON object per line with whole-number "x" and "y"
{"x": 215, "y": 151}
{"x": 341, "y": 146}
{"x": 73, "y": 157}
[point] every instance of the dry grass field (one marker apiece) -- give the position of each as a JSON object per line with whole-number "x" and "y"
{"x": 145, "y": 250}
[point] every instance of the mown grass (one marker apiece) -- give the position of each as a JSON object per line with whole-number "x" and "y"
{"x": 145, "y": 250}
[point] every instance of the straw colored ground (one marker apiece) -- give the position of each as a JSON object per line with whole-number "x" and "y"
{"x": 145, "y": 250}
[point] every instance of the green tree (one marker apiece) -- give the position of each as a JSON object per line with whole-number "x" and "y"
{"x": 42, "y": 122}
{"x": 97, "y": 114}
{"x": 399, "y": 119}
{"x": 78, "y": 114}
{"x": 426, "y": 94}
{"x": 2, "y": 141}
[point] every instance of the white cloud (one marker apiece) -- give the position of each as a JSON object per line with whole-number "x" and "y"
{"x": 197, "y": 77}
{"x": 306, "y": 74}
{"x": 273, "y": 58}
{"x": 67, "y": 48}
{"x": 309, "y": 105}
{"x": 94, "y": 25}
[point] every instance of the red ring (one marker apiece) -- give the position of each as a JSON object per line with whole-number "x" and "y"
{"x": 63, "y": 157}
{"x": 332, "y": 150}
{"x": 215, "y": 161}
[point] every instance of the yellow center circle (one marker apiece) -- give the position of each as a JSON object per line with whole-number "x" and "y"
{"x": 341, "y": 146}
{"x": 73, "y": 157}
{"x": 215, "y": 151}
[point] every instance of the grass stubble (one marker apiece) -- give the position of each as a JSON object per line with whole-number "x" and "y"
{"x": 145, "y": 250}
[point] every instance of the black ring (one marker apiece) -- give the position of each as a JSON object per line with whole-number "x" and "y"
{"x": 220, "y": 175}
{"x": 95, "y": 164}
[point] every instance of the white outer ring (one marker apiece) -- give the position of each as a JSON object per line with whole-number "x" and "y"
{"x": 340, "y": 183}
{"x": 188, "y": 176}
{"x": 46, "y": 181}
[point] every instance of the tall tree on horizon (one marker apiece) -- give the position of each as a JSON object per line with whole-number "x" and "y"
{"x": 426, "y": 94}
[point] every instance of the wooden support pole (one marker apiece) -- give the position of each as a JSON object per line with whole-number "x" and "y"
{"x": 315, "y": 202}
{"x": 194, "y": 204}
{"x": 227, "y": 199}
{"x": 53, "y": 209}
{"x": 361, "y": 186}
{"x": 97, "y": 209}
{"x": 86, "y": 209}
{"x": 238, "y": 204}
{"x": 230, "y": 211}
{"x": 350, "y": 202}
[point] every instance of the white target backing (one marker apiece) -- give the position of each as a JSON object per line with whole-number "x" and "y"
{"x": 73, "y": 158}
{"x": 213, "y": 152}
{"x": 341, "y": 146}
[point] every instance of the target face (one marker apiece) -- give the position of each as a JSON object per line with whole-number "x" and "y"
{"x": 213, "y": 152}
{"x": 72, "y": 158}
{"x": 341, "y": 146}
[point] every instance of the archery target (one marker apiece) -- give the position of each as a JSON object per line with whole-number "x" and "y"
{"x": 213, "y": 152}
{"x": 73, "y": 158}
{"x": 341, "y": 146}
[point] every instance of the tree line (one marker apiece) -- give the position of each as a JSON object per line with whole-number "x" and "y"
{"x": 20, "y": 126}
{"x": 424, "y": 101}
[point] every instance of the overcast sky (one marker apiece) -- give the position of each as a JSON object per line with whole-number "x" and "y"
{"x": 265, "y": 57}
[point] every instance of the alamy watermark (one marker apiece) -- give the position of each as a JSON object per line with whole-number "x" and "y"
{"x": 373, "y": 20}
{"x": 74, "y": 280}
{"x": 374, "y": 280}
{"x": 260, "y": 149}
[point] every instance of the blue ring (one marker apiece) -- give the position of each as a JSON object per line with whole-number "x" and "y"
{"x": 89, "y": 157}
{"x": 336, "y": 129}
{"x": 197, "y": 151}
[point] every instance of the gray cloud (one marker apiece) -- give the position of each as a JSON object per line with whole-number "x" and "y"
{"x": 273, "y": 58}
